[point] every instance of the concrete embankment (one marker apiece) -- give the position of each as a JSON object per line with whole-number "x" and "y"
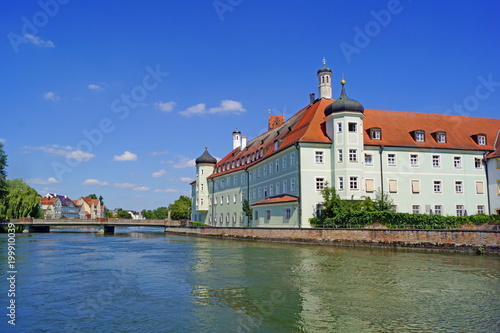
{"x": 486, "y": 241}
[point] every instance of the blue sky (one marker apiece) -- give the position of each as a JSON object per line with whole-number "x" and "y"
{"x": 118, "y": 98}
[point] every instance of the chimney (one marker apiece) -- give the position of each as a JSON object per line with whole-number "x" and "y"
{"x": 312, "y": 98}
{"x": 243, "y": 142}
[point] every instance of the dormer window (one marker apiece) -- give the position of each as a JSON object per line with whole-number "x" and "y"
{"x": 441, "y": 137}
{"x": 480, "y": 139}
{"x": 420, "y": 136}
{"x": 375, "y": 134}
{"x": 276, "y": 144}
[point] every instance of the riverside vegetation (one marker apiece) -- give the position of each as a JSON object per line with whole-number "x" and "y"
{"x": 338, "y": 213}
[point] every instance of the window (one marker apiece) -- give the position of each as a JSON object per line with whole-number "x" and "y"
{"x": 276, "y": 145}
{"x": 235, "y": 198}
{"x": 227, "y": 218}
{"x": 370, "y": 185}
{"x": 438, "y": 209}
{"x": 318, "y": 157}
{"x": 477, "y": 163}
{"x": 259, "y": 173}
{"x": 268, "y": 214}
{"x": 459, "y": 186}
{"x": 234, "y": 218}
{"x": 457, "y": 162}
{"x": 292, "y": 185}
{"x": 460, "y": 210}
{"x": 339, "y": 127}
{"x": 353, "y": 155}
{"x": 340, "y": 156}
{"x": 436, "y": 161}
{"x": 265, "y": 191}
{"x": 278, "y": 189}
{"x": 393, "y": 186}
{"x": 216, "y": 186}
{"x": 283, "y": 162}
{"x": 375, "y": 134}
{"x": 254, "y": 175}
{"x": 288, "y": 213}
{"x": 264, "y": 170}
{"x": 284, "y": 186}
{"x": 415, "y": 186}
{"x": 479, "y": 187}
{"x": 353, "y": 183}
{"x": 341, "y": 183}
{"x": 498, "y": 163}
{"x": 481, "y": 140}
{"x": 201, "y": 187}
{"x": 277, "y": 164}
{"x": 242, "y": 178}
{"x": 414, "y": 160}
{"x": 498, "y": 187}
{"x": 242, "y": 197}
{"x": 271, "y": 190}
{"x": 352, "y": 127}
{"x": 222, "y": 200}
{"x": 255, "y": 214}
{"x": 420, "y": 136}
{"x": 415, "y": 209}
{"x": 368, "y": 159}
{"x": 292, "y": 159}
{"x": 259, "y": 193}
{"x": 271, "y": 168}
{"x": 319, "y": 209}
{"x": 222, "y": 183}
{"x": 320, "y": 184}
{"x": 228, "y": 200}
{"x": 254, "y": 192}
{"x": 480, "y": 209}
{"x": 201, "y": 202}
{"x": 441, "y": 137}
{"x": 437, "y": 186}
{"x": 235, "y": 180}
{"x": 391, "y": 159}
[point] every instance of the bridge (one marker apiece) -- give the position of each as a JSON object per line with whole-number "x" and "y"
{"x": 104, "y": 224}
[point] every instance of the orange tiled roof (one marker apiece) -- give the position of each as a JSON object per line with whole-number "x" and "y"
{"x": 308, "y": 125}
{"x": 47, "y": 201}
{"x": 276, "y": 199}
{"x": 90, "y": 201}
{"x": 496, "y": 153}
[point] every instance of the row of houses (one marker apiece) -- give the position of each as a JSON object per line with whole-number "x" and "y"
{"x": 428, "y": 163}
{"x": 55, "y": 206}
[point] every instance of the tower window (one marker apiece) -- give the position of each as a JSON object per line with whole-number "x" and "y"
{"x": 352, "y": 127}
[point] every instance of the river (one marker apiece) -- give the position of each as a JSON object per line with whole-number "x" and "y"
{"x": 142, "y": 280}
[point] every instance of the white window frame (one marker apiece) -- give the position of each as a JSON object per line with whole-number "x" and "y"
{"x": 415, "y": 209}
{"x": 319, "y": 157}
{"x": 441, "y": 137}
{"x": 438, "y": 209}
{"x": 292, "y": 185}
{"x": 481, "y": 140}
{"x": 437, "y": 186}
{"x": 414, "y": 160}
{"x": 340, "y": 156}
{"x": 478, "y": 165}
{"x": 436, "y": 161}
{"x": 353, "y": 155}
{"x": 481, "y": 209}
{"x": 353, "y": 183}
{"x": 370, "y": 163}
{"x": 459, "y": 186}
{"x": 375, "y": 134}
{"x": 457, "y": 162}
{"x": 460, "y": 210}
{"x": 341, "y": 183}
{"x": 391, "y": 159}
{"x": 420, "y": 136}
{"x": 339, "y": 127}
{"x": 354, "y": 125}
{"x": 288, "y": 213}
{"x": 319, "y": 184}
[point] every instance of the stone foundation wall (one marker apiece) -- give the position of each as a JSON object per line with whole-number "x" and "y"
{"x": 457, "y": 240}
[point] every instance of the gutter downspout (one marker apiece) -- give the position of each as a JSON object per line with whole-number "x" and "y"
{"x": 299, "y": 185}
{"x": 381, "y": 169}
{"x": 487, "y": 183}
{"x": 248, "y": 193}
{"x": 212, "y": 200}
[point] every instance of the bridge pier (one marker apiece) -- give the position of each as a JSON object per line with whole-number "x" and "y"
{"x": 38, "y": 228}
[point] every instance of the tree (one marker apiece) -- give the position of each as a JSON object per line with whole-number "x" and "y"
{"x": 107, "y": 212}
{"x": 247, "y": 210}
{"x": 3, "y": 173}
{"x": 21, "y": 200}
{"x": 383, "y": 201}
{"x": 181, "y": 208}
{"x": 332, "y": 204}
{"x": 123, "y": 214}
{"x": 91, "y": 196}
{"x": 94, "y": 196}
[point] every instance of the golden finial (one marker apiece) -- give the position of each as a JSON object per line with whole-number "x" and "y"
{"x": 206, "y": 147}
{"x": 343, "y": 81}
{"x": 324, "y": 62}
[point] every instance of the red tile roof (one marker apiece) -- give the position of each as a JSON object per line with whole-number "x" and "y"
{"x": 308, "y": 125}
{"x": 496, "y": 153}
{"x": 47, "y": 201}
{"x": 277, "y": 199}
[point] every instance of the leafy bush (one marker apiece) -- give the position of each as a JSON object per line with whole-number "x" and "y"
{"x": 198, "y": 224}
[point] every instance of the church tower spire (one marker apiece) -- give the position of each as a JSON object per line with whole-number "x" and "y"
{"x": 325, "y": 82}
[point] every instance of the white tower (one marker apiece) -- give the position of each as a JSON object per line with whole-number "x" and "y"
{"x": 236, "y": 139}
{"x": 205, "y": 165}
{"x": 325, "y": 82}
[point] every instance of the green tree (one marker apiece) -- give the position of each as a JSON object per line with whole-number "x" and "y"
{"x": 247, "y": 210}
{"x": 123, "y": 214}
{"x": 3, "y": 173}
{"x": 91, "y": 196}
{"x": 181, "y": 208}
{"x": 383, "y": 201}
{"x": 21, "y": 200}
{"x": 332, "y": 204}
{"x": 107, "y": 213}
{"x": 94, "y": 196}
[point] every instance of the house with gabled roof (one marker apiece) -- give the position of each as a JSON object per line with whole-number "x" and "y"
{"x": 427, "y": 163}
{"x": 92, "y": 207}
{"x": 57, "y": 206}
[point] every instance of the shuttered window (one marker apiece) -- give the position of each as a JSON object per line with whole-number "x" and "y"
{"x": 479, "y": 187}
{"x": 415, "y": 186}
{"x": 393, "y": 185}
{"x": 370, "y": 186}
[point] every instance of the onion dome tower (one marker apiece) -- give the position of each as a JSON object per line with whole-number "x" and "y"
{"x": 325, "y": 81}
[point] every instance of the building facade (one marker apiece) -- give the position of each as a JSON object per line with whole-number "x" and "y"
{"x": 427, "y": 163}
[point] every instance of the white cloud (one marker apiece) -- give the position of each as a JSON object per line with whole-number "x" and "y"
{"x": 227, "y": 106}
{"x": 184, "y": 162}
{"x": 186, "y": 179}
{"x": 35, "y": 40}
{"x": 126, "y": 156}
{"x": 94, "y": 87}
{"x": 65, "y": 151}
{"x": 158, "y": 173}
{"x": 3, "y": 140}
{"x": 51, "y": 96}
{"x": 124, "y": 185}
{"x": 41, "y": 181}
{"x": 168, "y": 190}
{"x": 156, "y": 153}
{"x": 141, "y": 188}
{"x": 167, "y": 106}
{"x": 94, "y": 182}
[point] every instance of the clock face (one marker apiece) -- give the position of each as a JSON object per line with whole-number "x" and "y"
{"x": 276, "y": 121}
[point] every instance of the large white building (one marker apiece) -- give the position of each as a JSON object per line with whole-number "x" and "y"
{"x": 428, "y": 163}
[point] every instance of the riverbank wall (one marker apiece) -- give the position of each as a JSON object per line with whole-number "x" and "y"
{"x": 483, "y": 241}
